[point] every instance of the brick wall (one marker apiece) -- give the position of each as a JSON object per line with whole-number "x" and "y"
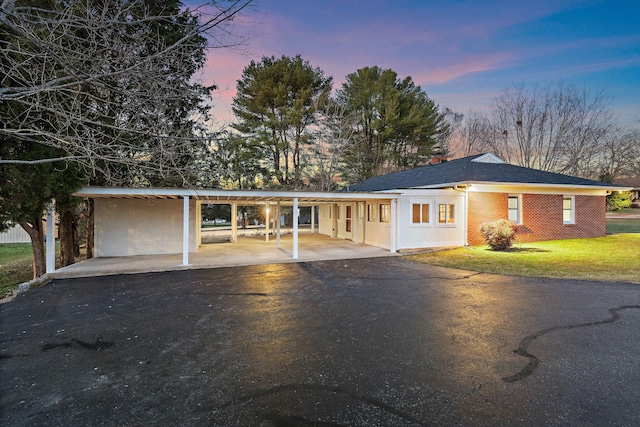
{"x": 541, "y": 216}
{"x": 484, "y": 207}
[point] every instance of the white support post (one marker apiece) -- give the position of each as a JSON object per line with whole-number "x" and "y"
{"x": 313, "y": 219}
{"x": 266, "y": 223}
{"x": 51, "y": 240}
{"x": 465, "y": 226}
{"x": 295, "y": 228}
{"x": 234, "y": 222}
{"x": 356, "y": 224}
{"x": 185, "y": 231}
{"x": 277, "y": 216}
{"x": 394, "y": 225}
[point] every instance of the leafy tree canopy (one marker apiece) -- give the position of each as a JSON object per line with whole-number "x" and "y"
{"x": 276, "y": 102}
{"x": 398, "y": 124}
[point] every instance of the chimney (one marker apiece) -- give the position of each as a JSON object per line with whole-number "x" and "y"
{"x": 435, "y": 160}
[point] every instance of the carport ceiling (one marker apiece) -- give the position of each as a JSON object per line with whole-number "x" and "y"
{"x": 230, "y": 196}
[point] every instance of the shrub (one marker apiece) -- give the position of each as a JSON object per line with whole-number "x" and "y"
{"x": 618, "y": 200}
{"x": 499, "y": 234}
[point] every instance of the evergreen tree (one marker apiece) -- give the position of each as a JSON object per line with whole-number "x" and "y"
{"x": 397, "y": 127}
{"x": 275, "y": 105}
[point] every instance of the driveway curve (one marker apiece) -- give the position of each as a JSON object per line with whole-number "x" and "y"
{"x": 359, "y": 342}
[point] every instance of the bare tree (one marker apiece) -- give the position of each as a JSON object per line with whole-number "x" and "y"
{"x": 334, "y": 133}
{"x": 473, "y": 135}
{"x": 620, "y": 155}
{"x": 446, "y": 140}
{"x": 107, "y": 83}
{"x": 101, "y": 88}
{"x": 559, "y": 128}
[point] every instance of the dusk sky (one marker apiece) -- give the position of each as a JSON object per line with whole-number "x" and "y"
{"x": 462, "y": 53}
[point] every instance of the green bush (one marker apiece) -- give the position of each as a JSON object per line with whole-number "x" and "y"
{"x": 618, "y": 200}
{"x": 499, "y": 234}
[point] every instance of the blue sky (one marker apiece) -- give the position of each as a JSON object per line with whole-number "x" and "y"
{"x": 462, "y": 53}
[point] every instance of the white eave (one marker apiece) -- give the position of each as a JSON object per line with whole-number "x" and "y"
{"x": 218, "y": 195}
{"x": 523, "y": 184}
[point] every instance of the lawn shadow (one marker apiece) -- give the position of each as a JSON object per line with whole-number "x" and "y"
{"x": 521, "y": 250}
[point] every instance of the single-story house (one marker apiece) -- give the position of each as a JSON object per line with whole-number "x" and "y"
{"x": 633, "y": 184}
{"x": 431, "y": 206}
{"x": 445, "y": 203}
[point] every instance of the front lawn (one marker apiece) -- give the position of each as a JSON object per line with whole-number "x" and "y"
{"x": 16, "y": 265}
{"x": 609, "y": 258}
{"x": 623, "y": 226}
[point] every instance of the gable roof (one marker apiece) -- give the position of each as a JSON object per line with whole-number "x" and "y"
{"x": 481, "y": 168}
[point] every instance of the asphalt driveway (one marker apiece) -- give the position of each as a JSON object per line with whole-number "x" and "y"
{"x": 336, "y": 343}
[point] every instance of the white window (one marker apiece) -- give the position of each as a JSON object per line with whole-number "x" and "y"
{"x": 446, "y": 214}
{"x": 420, "y": 213}
{"x": 515, "y": 209}
{"x": 385, "y": 212}
{"x": 568, "y": 209}
{"x": 371, "y": 213}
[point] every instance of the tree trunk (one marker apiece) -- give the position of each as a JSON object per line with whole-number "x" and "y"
{"x": 35, "y": 231}
{"x": 89, "y": 231}
{"x": 65, "y": 233}
{"x": 76, "y": 237}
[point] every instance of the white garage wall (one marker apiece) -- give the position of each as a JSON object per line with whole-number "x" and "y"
{"x": 15, "y": 234}
{"x": 142, "y": 226}
{"x": 433, "y": 234}
{"x": 325, "y": 225}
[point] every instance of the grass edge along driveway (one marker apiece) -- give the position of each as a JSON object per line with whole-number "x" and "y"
{"x": 610, "y": 258}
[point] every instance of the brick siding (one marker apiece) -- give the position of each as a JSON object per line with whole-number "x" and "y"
{"x": 541, "y": 216}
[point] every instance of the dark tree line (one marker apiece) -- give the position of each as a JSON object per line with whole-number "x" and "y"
{"x": 99, "y": 92}
{"x": 303, "y": 137}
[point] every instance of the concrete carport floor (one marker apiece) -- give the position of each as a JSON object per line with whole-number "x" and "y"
{"x": 361, "y": 342}
{"x": 249, "y": 250}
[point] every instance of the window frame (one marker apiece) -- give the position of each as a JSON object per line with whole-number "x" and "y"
{"x": 421, "y": 210}
{"x": 371, "y": 212}
{"x": 449, "y": 213}
{"x": 384, "y": 217}
{"x": 518, "y": 198}
{"x": 572, "y": 210}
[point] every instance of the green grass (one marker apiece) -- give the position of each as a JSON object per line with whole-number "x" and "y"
{"x": 616, "y": 226}
{"x": 224, "y": 224}
{"x": 609, "y": 258}
{"x": 16, "y": 265}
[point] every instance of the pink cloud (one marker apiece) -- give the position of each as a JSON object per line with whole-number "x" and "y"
{"x": 477, "y": 63}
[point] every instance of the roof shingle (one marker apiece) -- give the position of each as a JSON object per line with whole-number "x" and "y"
{"x": 465, "y": 170}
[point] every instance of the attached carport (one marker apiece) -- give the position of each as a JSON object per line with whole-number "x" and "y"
{"x": 185, "y": 238}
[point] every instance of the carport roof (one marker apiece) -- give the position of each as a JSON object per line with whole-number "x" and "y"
{"x": 228, "y": 196}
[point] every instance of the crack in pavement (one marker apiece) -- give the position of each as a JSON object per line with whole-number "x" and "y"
{"x": 97, "y": 346}
{"x": 522, "y": 349}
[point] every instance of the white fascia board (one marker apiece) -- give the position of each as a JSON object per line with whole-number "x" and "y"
{"x": 533, "y": 187}
{"x": 230, "y": 195}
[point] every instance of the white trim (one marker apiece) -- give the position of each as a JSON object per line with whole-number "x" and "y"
{"x": 295, "y": 228}
{"x": 572, "y": 220}
{"x": 393, "y": 220}
{"x": 518, "y": 197}
{"x": 421, "y": 224}
{"x": 488, "y": 158}
{"x": 313, "y": 219}
{"x": 277, "y": 216}
{"x": 234, "y": 222}
{"x": 50, "y": 239}
{"x": 267, "y": 211}
{"x": 227, "y": 196}
{"x": 465, "y": 223}
{"x": 521, "y": 187}
{"x": 447, "y": 205}
{"x": 185, "y": 231}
